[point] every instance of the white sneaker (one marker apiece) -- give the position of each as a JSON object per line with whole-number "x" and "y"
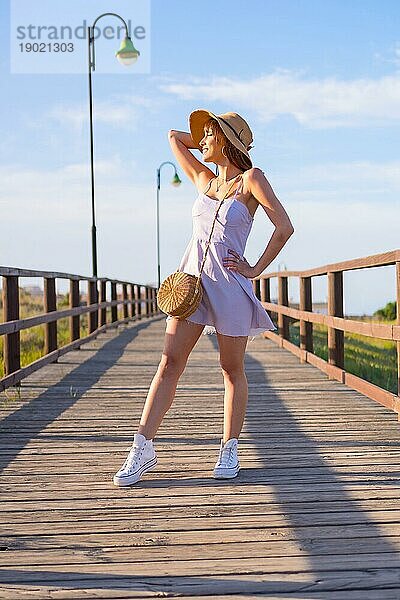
{"x": 141, "y": 458}
{"x": 227, "y": 465}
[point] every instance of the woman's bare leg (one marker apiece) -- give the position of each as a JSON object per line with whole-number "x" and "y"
{"x": 180, "y": 339}
{"x": 232, "y": 351}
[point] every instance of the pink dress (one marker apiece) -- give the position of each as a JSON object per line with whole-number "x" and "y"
{"x": 229, "y": 304}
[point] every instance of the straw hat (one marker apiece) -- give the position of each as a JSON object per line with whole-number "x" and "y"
{"x": 233, "y": 125}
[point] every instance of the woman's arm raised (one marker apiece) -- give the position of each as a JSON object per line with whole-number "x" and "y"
{"x": 181, "y": 142}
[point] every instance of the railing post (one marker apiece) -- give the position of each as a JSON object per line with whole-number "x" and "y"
{"x": 50, "y": 305}
{"x": 146, "y": 292}
{"x": 132, "y": 299}
{"x": 256, "y": 288}
{"x": 265, "y": 289}
{"x": 154, "y": 301}
{"x": 398, "y": 323}
{"x": 265, "y": 292}
{"x": 74, "y": 321}
{"x": 306, "y": 328}
{"x": 103, "y": 298}
{"x": 92, "y": 299}
{"x": 125, "y": 298}
{"x": 139, "y": 300}
{"x": 114, "y": 309}
{"x": 151, "y": 301}
{"x": 12, "y": 356}
{"x": 283, "y": 300}
{"x": 335, "y": 308}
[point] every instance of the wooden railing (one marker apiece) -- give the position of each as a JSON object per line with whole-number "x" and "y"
{"x": 334, "y": 321}
{"x": 138, "y": 301}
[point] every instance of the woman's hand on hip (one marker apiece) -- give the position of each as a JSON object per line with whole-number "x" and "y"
{"x": 238, "y": 263}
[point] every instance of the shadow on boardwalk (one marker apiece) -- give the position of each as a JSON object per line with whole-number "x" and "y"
{"x": 164, "y": 586}
{"x": 50, "y": 404}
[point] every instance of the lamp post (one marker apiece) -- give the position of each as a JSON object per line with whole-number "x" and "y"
{"x": 175, "y": 182}
{"x": 127, "y": 55}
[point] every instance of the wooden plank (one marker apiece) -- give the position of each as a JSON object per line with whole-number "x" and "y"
{"x": 274, "y": 550}
{"x": 367, "y": 328}
{"x": 313, "y": 512}
{"x": 125, "y": 591}
{"x": 206, "y": 520}
{"x": 13, "y": 592}
{"x": 382, "y": 563}
{"x": 378, "y": 511}
{"x": 13, "y": 325}
{"x": 305, "y": 537}
{"x": 373, "y": 260}
{"x": 101, "y": 491}
{"x": 167, "y": 582}
{"x": 11, "y": 509}
{"x": 309, "y": 466}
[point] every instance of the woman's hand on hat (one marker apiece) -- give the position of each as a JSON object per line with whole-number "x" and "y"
{"x": 238, "y": 263}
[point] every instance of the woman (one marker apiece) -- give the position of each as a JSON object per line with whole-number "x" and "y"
{"x": 229, "y": 306}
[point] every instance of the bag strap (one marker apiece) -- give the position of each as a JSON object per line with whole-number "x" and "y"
{"x": 212, "y": 228}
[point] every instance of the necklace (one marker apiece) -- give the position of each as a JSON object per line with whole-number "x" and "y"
{"x": 226, "y": 181}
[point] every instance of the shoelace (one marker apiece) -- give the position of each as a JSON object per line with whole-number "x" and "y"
{"x": 134, "y": 453}
{"x": 223, "y": 452}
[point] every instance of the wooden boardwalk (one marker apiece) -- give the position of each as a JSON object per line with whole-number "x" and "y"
{"x": 313, "y": 513}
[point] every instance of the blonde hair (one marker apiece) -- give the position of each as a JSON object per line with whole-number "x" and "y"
{"x": 233, "y": 154}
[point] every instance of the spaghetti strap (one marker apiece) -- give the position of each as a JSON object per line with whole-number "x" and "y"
{"x": 238, "y": 187}
{"x": 208, "y": 184}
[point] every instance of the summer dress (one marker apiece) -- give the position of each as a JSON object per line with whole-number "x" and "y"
{"x": 229, "y": 305}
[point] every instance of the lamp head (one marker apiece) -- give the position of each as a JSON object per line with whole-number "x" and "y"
{"x": 176, "y": 181}
{"x": 127, "y": 54}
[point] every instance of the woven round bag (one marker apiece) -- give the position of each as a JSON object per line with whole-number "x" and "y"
{"x": 180, "y": 294}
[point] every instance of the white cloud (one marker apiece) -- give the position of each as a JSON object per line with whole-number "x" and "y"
{"x": 391, "y": 57}
{"x": 363, "y": 181}
{"x": 64, "y": 193}
{"x": 123, "y": 115}
{"x": 317, "y": 103}
{"x": 121, "y": 111}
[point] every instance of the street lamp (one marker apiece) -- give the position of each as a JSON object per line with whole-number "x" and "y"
{"x": 176, "y": 182}
{"x": 127, "y": 55}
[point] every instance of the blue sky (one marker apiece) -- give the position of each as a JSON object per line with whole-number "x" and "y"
{"x": 319, "y": 85}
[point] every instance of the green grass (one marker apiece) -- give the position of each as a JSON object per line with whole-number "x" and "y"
{"x": 32, "y": 339}
{"x": 370, "y": 358}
